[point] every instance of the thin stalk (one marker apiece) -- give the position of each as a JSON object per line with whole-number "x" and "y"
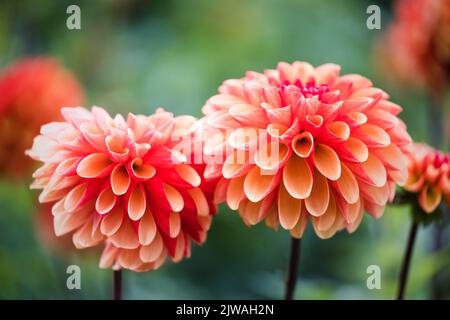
{"x": 117, "y": 284}
{"x": 293, "y": 267}
{"x": 407, "y": 260}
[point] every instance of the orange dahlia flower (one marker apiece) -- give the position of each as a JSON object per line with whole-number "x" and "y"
{"x": 429, "y": 176}
{"x": 122, "y": 181}
{"x": 32, "y": 91}
{"x": 417, "y": 44}
{"x": 339, "y": 147}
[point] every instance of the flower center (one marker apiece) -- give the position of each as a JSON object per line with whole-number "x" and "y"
{"x": 309, "y": 89}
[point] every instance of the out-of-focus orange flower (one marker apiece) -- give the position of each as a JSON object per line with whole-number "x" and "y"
{"x": 46, "y": 233}
{"x": 429, "y": 176}
{"x": 122, "y": 181}
{"x": 32, "y": 92}
{"x": 416, "y": 48}
{"x": 339, "y": 147}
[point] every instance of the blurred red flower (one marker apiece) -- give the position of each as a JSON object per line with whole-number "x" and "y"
{"x": 417, "y": 45}
{"x": 429, "y": 176}
{"x": 32, "y": 92}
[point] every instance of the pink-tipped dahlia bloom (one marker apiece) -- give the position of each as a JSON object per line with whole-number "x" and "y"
{"x": 416, "y": 47}
{"x": 340, "y": 147}
{"x": 429, "y": 176}
{"x": 32, "y": 92}
{"x": 123, "y": 182}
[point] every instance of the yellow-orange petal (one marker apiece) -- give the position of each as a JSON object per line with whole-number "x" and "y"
{"x": 174, "y": 224}
{"x": 74, "y": 197}
{"x": 317, "y": 202}
{"x": 152, "y": 251}
{"x": 93, "y": 165}
{"x": 147, "y": 229}
{"x": 111, "y": 222}
{"x": 105, "y": 201}
{"x": 429, "y": 198}
{"x": 303, "y": 144}
{"x": 289, "y": 208}
{"x": 375, "y": 170}
{"x": 137, "y": 203}
{"x": 347, "y": 185}
{"x": 327, "y": 161}
{"x": 188, "y": 174}
{"x": 120, "y": 180}
{"x": 201, "y": 203}
{"x": 235, "y": 192}
{"x": 297, "y": 177}
{"x": 125, "y": 237}
{"x": 258, "y": 185}
{"x": 174, "y": 198}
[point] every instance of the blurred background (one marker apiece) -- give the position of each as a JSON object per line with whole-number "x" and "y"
{"x": 134, "y": 56}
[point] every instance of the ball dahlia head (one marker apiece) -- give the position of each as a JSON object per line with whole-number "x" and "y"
{"x": 417, "y": 44}
{"x": 301, "y": 143}
{"x": 429, "y": 176}
{"x": 32, "y": 92}
{"x": 123, "y": 183}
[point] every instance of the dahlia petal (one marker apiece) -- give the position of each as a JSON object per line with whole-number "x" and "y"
{"x": 93, "y": 135}
{"x": 137, "y": 203}
{"x": 258, "y": 185}
{"x": 375, "y": 210}
{"x": 120, "y": 180}
{"x": 289, "y": 209}
{"x": 75, "y": 197}
{"x": 105, "y": 201}
{"x": 317, "y": 202}
{"x": 326, "y": 73}
{"x": 337, "y": 131}
{"x": 84, "y": 238}
{"x": 313, "y": 124}
{"x": 235, "y": 192}
{"x": 116, "y": 150}
{"x": 125, "y": 237}
{"x": 174, "y": 224}
{"x": 374, "y": 170}
{"x": 382, "y": 118}
{"x": 188, "y": 174}
{"x": 140, "y": 170}
{"x": 76, "y": 116}
{"x": 174, "y": 198}
{"x": 373, "y": 194}
{"x": 271, "y": 156}
{"x": 147, "y": 229}
{"x": 354, "y": 150}
{"x": 243, "y": 138}
{"x": 129, "y": 259}
{"x": 327, "y": 162}
{"x": 391, "y": 156}
{"x": 94, "y": 165}
{"x": 389, "y": 106}
{"x": 248, "y": 114}
{"x": 278, "y": 115}
{"x": 108, "y": 256}
{"x": 69, "y": 221}
{"x": 299, "y": 229}
{"x": 373, "y": 136}
{"x": 297, "y": 177}
{"x": 303, "y": 144}
{"x": 250, "y": 212}
{"x": 201, "y": 203}
{"x": 326, "y": 221}
{"x": 111, "y": 222}
{"x": 152, "y": 251}
{"x": 272, "y": 96}
{"x": 429, "y": 198}
{"x": 220, "y": 193}
{"x": 347, "y": 185}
